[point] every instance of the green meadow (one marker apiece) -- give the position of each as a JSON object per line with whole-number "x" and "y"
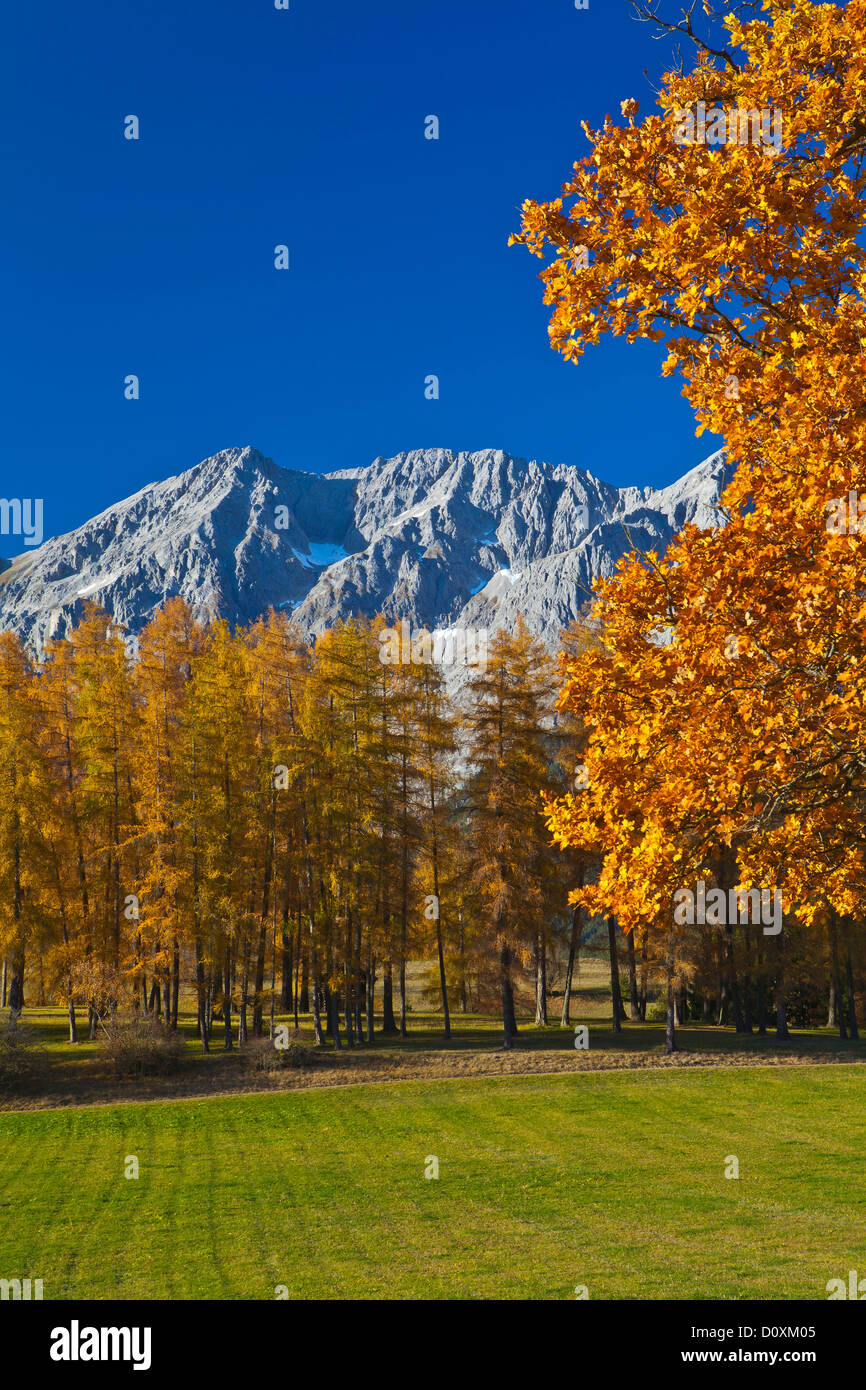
{"x": 615, "y": 1181}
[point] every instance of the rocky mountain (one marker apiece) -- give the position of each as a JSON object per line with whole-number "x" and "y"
{"x": 440, "y": 539}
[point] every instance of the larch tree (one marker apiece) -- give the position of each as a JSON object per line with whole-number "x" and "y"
{"x": 167, "y": 650}
{"x": 106, "y": 719}
{"x": 23, "y": 794}
{"x": 509, "y": 769}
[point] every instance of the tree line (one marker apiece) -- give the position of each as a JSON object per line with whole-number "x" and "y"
{"x": 274, "y": 823}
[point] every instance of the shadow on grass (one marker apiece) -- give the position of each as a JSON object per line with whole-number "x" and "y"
{"x": 472, "y": 1033}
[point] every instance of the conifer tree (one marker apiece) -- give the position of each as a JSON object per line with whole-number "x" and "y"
{"x": 509, "y": 763}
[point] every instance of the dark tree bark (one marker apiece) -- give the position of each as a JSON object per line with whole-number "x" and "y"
{"x": 227, "y": 999}
{"x": 643, "y": 980}
{"x": 348, "y": 975}
{"x": 509, "y": 1020}
{"x": 781, "y": 1010}
{"x": 371, "y": 990}
{"x": 831, "y": 1005}
{"x": 634, "y": 1002}
{"x": 334, "y": 1017}
{"x": 838, "y": 996}
{"x": 360, "y": 986}
{"x": 615, "y": 992}
{"x": 440, "y": 946}
{"x": 670, "y": 1026}
{"x": 317, "y": 993}
{"x": 733, "y": 983}
{"x": 16, "y": 987}
{"x": 304, "y": 996}
{"x": 286, "y": 963}
{"x": 389, "y": 1022}
{"x": 299, "y": 952}
{"x": 201, "y": 999}
{"x": 573, "y": 948}
{"x": 175, "y": 982}
{"x": 747, "y": 984}
{"x": 849, "y": 978}
{"x": 762, "y": 993}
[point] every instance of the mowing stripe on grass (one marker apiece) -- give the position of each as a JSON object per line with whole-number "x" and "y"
{"x": 614, "y": 1180}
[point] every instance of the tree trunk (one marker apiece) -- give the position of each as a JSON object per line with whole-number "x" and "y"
{"x": 359, "y": 985}
{"x": 286, "y": 992}
{"x": 733, "y": 983}
{"x": 573, "y": 948}
{"x": 746, "y": 993}
{"x": 227, "y": 1000}
{"x": 849, "y": 977}
{"x": 299, "y": 952}
{"x": 781, "y": 1012}
{"x": 304, "y": 997}
{"x": 440, "y": 950}
{"x": 831, "y": 1008}
{"x": 389, "y": 1023}
{"x": 317, "y": 994}
{"x": 509, "y": 1020}
{"x": 762, "y": 1006}
{"x": 259, "y": 979}
{"x": 540, "y": 982}
{"x": 348, "y": 976}
{"x": 643, "y": 979}
{"x": 615, "y": 993}
{"x": 634, "y": 1002}
{"x": 201, "y": 998}
{"x": 670, "y": 1026}
{"x": 16, "y": 988}
{"x": 334, "y": 1017}
{"x": 371, "y": 992}
{"x": 838, "y": 996}
{"x": 175, "y": 983}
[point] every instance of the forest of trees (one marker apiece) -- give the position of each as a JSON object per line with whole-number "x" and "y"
{"x": 274, "y": 826}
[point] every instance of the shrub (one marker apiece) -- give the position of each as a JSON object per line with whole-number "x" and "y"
{"x": 142, "y": 1046}
{"x": 21, "y": 1060}
{"x": 261, "y": 1055}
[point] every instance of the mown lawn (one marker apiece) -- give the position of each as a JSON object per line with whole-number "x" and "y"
{"x": 614, "y": 1181}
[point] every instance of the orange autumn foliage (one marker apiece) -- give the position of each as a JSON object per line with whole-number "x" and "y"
{"x": 726, "y": 710}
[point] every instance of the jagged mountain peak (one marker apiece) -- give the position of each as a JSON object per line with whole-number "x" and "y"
{"x": 436, "y": 536}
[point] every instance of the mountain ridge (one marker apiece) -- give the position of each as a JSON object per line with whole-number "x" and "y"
{"x": 438, "y": 537}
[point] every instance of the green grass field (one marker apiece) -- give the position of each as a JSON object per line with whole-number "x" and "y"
{"x": 614, "y": 1180}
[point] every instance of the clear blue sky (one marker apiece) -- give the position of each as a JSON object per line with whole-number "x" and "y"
{"x": 303, "y": 127}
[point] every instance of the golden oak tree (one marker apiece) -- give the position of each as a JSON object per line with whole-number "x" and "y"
{"x": 727, "y": 708}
